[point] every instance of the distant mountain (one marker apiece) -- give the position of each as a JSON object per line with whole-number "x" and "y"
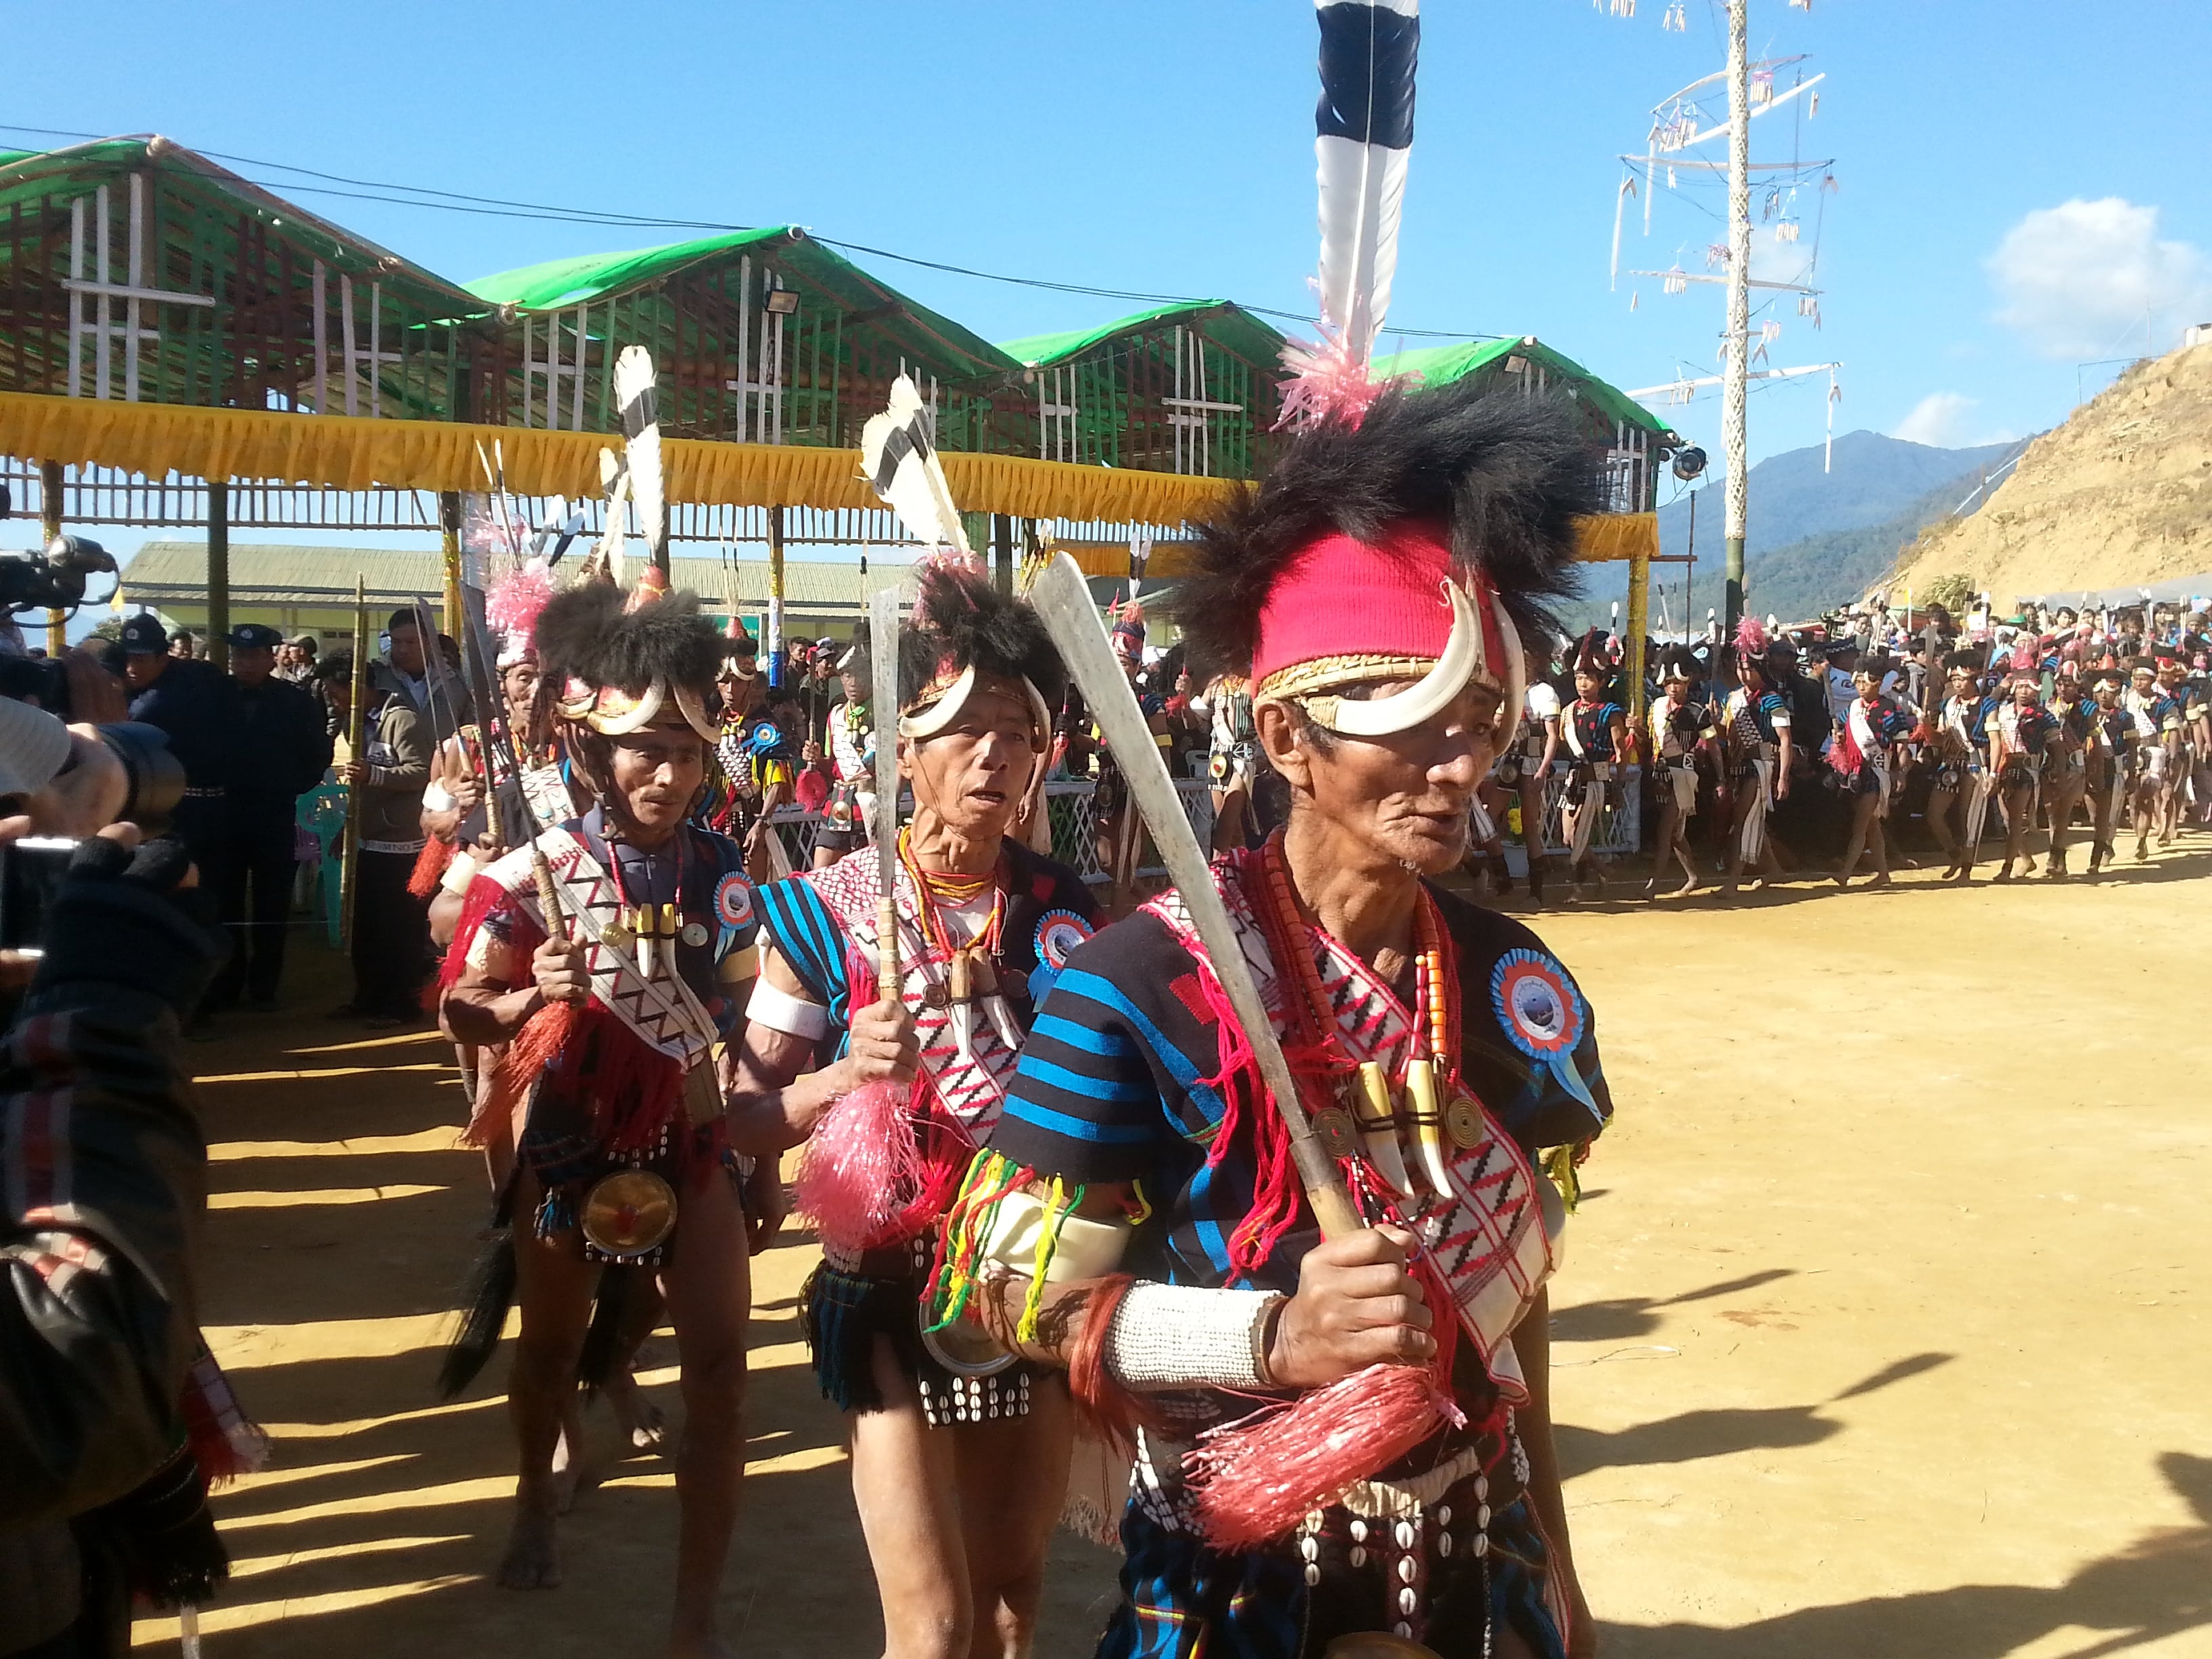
{"x": 1874, "y": 480}
{"x": 1798, "y": 582}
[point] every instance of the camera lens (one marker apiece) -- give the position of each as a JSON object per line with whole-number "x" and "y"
{"x": 157, "y": 776}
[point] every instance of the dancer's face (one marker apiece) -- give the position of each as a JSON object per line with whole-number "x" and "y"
{"x": 974, "y": 773}
{"x": 658, "y": 773}
{"x": 1401, "y": 798}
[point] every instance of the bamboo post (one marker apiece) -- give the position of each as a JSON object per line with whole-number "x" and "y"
{"x": 1002, "y": 546}
{"x": 350, "y": 859}
{"x": 218, "y": 565}
{"x": 449, "y": 527}
{"x": 772, "y": 647}
{"x": 49, "y": 526}
{"x": 1639, "y": 620}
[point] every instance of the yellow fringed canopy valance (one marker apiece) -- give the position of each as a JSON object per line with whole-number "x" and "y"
{"x": 340, "y": 452}
{"x": 1604, "y": 538}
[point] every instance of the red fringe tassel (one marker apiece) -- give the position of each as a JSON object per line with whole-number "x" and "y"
{"x": 1256, "y": 1479}
{"x": 1103, "y": 1408}
{"x": 430, "y": 865}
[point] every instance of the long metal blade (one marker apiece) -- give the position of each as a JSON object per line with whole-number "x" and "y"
{"x": 1063, "y": 600}
{"x": 883, "y": 709}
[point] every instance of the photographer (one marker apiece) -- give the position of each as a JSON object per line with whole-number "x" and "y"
{"x": 103, "y": 1169}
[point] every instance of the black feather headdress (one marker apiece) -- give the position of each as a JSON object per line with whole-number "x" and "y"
{"x": 588, "y": 633}
{"x": 961, "y": 621}
{"x": 1506, "y": 475}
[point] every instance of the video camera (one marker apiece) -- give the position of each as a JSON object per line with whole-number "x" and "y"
{"x": 57, "y": 581}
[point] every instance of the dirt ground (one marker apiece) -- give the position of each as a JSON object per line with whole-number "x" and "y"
{"x": 1883, "y": 1331}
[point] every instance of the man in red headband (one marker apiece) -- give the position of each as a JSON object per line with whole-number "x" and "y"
{"x": 1376, "y": 588}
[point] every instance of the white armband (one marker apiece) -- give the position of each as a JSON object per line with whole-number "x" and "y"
{"x": 436, "y": 798}
{"x": 780, "y": 1010}
{"x": 1179, "y": 1336}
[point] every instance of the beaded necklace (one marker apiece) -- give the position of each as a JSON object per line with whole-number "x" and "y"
{"x": 935, "y": 888}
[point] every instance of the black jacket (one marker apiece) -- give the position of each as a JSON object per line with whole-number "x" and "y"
{"x": 280, "y": 748}
{"x": 105, "y": 1185}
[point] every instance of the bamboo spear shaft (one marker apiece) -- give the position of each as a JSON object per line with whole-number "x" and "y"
{"x": 350, "y": 859}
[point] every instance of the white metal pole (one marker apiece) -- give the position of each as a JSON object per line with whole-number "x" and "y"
{"x": 1733, "y": 444}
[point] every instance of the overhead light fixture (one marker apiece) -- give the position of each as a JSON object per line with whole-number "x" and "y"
{"x": 781, "y": 302}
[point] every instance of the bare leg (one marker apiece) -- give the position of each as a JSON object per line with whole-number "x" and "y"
{"x": 643, "y": 1427}
{"x": 1878, "y": 838}
{"x": 1862, "y": 810}
{"x": 553, "y": 1285}
{"x": 2144, "y": 809}
{"x": 2061, "y": 817}
{"x": 1940, "y": 805}
{"x": 1670, "y": 833}
{"x": 710, "y": 1292}
{"x": 2015, "y": 802}
{"x": 1744, "y": 804}
{"x": 1013, "y": 1481}
{"x": 904, "y": 1487}
{"x": 1532, "y": 837}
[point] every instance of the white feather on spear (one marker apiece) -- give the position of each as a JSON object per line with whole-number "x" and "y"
{"x": 900, "y": 464}
{"x": 1363, "y": 133}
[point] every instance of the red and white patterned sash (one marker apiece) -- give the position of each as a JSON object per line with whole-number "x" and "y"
{"x": 972, "y": 1091}
{"x": 1487, "y": 1234}
{"x": 662, "y": 1010}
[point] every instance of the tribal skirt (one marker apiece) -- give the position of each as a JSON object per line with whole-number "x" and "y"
{"x": 844, "y": 1311}
{"x": 1181, "y": 1599}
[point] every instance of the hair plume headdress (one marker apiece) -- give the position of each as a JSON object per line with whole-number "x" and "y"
{"x": 1504, "y": 474}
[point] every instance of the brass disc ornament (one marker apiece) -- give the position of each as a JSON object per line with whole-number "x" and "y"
{"x": 629, "y": 1213}
{"x": 1463, "y": 1122}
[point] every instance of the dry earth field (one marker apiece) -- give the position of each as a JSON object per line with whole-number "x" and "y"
{"x": 1883, "y": 1331}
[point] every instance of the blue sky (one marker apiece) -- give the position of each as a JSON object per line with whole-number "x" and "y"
{"x": 1167, "y": 147}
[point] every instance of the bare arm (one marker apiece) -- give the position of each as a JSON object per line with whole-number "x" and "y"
{"x": 776, "y": 1101}
{"x": 487, "y": 1004}
{"x": 1551, "y": 744}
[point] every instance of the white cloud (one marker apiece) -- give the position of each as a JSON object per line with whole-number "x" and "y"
{"x": 1936, "y": 419}
{"x": 2077, "y": 280}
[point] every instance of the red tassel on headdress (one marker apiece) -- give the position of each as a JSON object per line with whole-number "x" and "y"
{"x": 1255, "y": 1478}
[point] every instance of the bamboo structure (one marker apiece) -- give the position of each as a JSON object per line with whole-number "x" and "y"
{"x": 349, "y": 858}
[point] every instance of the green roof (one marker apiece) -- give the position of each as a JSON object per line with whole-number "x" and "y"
{"x": 30, "y": 176}
{"x": 928, "y": 334}
{"x": 1226, "y": 323}
{"x": 1442, "y": 365}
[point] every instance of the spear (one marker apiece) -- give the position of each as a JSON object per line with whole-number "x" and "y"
{"x": 350, "y": 857}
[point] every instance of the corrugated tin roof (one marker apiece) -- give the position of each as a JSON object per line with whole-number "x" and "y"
{"x": 263, "y": 573}
{"x": 1440, "y": 365}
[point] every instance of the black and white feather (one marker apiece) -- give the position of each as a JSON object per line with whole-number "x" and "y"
{"x": 1363, "y": 137}
{"x": 900, "y": 464}
{"x": 637, "y": 392}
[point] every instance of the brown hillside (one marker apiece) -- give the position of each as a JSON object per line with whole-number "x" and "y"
{"x": 2121, "y": 493}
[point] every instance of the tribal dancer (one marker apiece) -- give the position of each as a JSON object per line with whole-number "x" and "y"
{"x": 958, "y": 1475}
{"x": 851, "y": 734}
{"x": 1682, "y": 729}
{"x": 2066, "y": 784}
{"x": 2022, "y": 735}
{"x": 1121, "y": 833}
{"x": 622, "y": 1165}
{"x": 1962, "y": 773}
{"x": 2147, "y": 780}
{"x": 1232, "y": 759}
{"x": 1525, "y": 769}
{"x": 2179, "y": 712}
{"x": 1866, "y": 738}
{"x": 1596, "y": 730}
{"x": 1376, "y": 588}
{"x": 2110, "y": 734}
{"x": 1759, "y": 750}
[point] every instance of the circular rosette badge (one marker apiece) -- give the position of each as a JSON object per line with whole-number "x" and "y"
{"x": 1536, "y": 1004}
{"x": 734, "y": 901}
{"x": 1058, "y": 933}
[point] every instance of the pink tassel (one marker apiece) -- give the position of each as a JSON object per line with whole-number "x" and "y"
{"x": 513, "y": 601}
{"x": 1255, "y": 1478}
{"x": 1750, "y": 637}
{"x": 860, "y": 1166}
{"x": 1327, "y": 382}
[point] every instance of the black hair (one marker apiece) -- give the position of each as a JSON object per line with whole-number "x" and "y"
{"x": 404, "y": 616}
{"x": 960, "y": 614}
{"x": 1504, "y": 474}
